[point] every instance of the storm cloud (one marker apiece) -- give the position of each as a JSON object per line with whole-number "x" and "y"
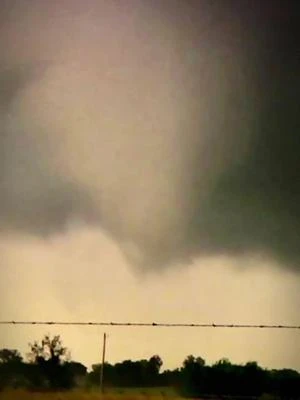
{"x": 172, "y": 127}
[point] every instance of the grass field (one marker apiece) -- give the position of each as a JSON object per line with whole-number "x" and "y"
{"x": 121, "y": 394}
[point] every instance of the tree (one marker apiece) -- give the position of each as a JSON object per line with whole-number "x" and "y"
{"x": 128, "y": 373}
{"x": 153, "y": 367}
{"x": 50, "y": 356}
{"x": 11, "y": 368}
{"x": 10, "y": 356}
{"x": 77, "y": 372}
{"x": 156, "y": 363}
{"x": 191, "y": 360}
{"x": 49, "y": 349}
{"x": 285, "y": 383}
{"x": 193, "y": 376}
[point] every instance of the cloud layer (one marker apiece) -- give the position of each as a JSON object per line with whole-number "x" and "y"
{"x": 172, "y": 127}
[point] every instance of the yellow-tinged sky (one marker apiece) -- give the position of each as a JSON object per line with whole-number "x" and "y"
{"x": 83, "y": 276}
{"x": 118, "y": 119}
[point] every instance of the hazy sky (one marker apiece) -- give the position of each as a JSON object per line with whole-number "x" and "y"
{"x": 149, "y": 172}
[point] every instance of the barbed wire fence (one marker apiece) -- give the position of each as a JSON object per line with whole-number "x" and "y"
{"x": 154, "y": 324}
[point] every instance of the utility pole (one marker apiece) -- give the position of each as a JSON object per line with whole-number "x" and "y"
{"x": 102, "y": 365}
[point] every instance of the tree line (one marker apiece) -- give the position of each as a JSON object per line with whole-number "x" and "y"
{"x": 48, "y": 366}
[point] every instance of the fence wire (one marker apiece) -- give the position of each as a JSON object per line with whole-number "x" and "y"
{"x": 152, "y": 324}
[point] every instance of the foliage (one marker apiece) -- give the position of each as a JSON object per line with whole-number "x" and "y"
{"x": 49, "y": 349}
{"x": 9, "y": 356}
{"x": 49, "y": 368}
{"x": 142, "y": 373}
{"x": 50, "y": 357}
{"x": 225, "y": 378}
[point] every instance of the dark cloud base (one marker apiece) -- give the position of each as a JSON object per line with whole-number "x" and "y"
{"x": 254, "y": 204}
